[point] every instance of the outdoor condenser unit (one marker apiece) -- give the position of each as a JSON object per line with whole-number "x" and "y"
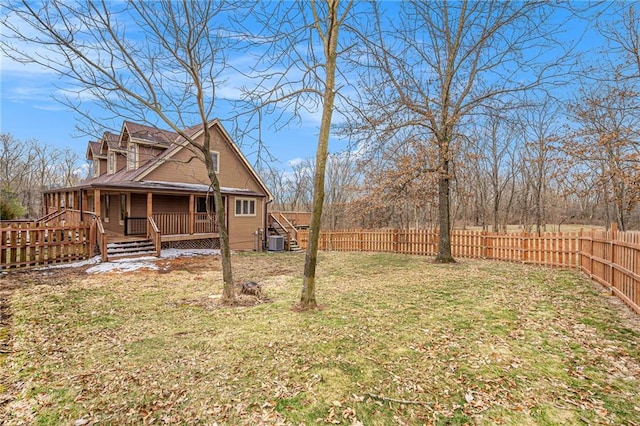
{"x": 275, "y": 243}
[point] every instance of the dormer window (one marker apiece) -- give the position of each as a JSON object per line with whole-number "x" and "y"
{"x": 111, "y": 168}
{"x": 96, "y": 167}
{"x": 215, "y": 158}
{"x": 132, "y": 157}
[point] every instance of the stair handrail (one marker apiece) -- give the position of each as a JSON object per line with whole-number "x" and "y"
{"x": 49, "y": 217}
{"x": 154, "y": 234}
{"x": 102, "y": 238}
{"x": 293, "y": 228}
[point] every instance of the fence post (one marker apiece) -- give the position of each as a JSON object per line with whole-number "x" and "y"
{"x": 612, "y": 257}
{"x": 524, "y": 245}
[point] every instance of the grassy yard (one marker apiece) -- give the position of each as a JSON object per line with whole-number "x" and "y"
{"x": 399, "y": 340}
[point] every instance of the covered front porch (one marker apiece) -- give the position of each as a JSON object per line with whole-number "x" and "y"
{"x": 128, "y": 214}
{"x": 164, "y": 219}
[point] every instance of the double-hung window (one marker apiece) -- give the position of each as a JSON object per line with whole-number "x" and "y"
{"x": 245, "y": 207}
{"x": 111, "y": 168}
{"x": 215, "y": 159}
{"x": 132, "y": 157}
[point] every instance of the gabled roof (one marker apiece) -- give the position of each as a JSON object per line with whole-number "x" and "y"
{"x": 148, "y": 134}
{"x": 194, "y": 132}
{"x": 110, "y": 141}
{"x": 160, "y": 139}
{"x": 93, "y": 150}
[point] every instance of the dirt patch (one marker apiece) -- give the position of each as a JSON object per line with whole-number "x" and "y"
{"x": 190, "y": 264}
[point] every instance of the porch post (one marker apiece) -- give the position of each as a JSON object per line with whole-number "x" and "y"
{"x": 80, "y": 204}
{"x": 45, "y": 204}
{"x": 149, "y": 211}
{"x": 149, "y": 204}
{"x": 84, "y": 195}
{"x": 192, "y": 214}
{"x": 96, "y": 202}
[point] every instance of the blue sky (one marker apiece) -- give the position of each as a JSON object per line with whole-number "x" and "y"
{"x": 28, "y": 110}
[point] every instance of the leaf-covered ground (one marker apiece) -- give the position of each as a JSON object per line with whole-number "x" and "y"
{"x": 399, "y": 340}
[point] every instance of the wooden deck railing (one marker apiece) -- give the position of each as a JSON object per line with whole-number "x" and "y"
{"x": 296, "y": 219}
{"x": 178, "y": 223}
{"x": 101, "y": 238}
{"x": 204, "y": 223}
{"x": 609, "y": 257}
{"x": 154, "y": 234}
{"x": 28, "y": 245}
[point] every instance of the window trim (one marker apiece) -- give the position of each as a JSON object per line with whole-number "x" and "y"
{"x": 132, "y": 156}
{"x": 249, "y": 202}
{"x": 111, "y": 163}
{"x": 216, "y": 163}
{"x": 124, "y": 207}
{"x": 106, "y": 207}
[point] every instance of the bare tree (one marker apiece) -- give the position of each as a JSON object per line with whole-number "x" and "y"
{"x": 607, "y": 140}
{"x": 297, "y": 73}
{"x": 540, "y": 127}
{"x": 150, "y": 62}
{"x": 436, "y": 63}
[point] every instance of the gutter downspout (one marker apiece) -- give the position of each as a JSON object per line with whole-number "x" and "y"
{"x": 264, "y": 224}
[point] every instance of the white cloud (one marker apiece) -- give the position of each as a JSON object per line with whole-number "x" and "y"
{"x": 295, "y": 161}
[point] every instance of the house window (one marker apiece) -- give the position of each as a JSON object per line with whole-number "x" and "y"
{"x": 112, "y": 163}
{"x": 201, "y": 205}
{"x": 132, "y": 157}
{"x": 215, "y": 158}
{"x": 123, "y": 207}
{"x": 245, "y": 207}
{"x": 106, "y": 201}
{"x": 96, "y": 167}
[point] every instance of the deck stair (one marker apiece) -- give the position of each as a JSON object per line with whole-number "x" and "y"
{"x": 132, "y": 248}
{"x": 279, "y": 225}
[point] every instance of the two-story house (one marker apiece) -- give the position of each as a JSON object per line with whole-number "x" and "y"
{"x": 145, "y": 176}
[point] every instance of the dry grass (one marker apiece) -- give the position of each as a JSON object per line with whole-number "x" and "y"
{"x": 399, "y": 340}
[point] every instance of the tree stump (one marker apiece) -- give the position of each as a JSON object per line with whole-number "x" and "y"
{"x": 251, "y": 288}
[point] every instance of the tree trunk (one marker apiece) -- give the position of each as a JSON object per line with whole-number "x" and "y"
{"x": 444, "y": 219}
{"x": 228, "y": 292}
{"x": 308, "y": 295}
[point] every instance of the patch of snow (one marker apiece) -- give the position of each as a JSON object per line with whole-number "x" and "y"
{"x": 124, "y": 265}
{"x": 173, "y": 253}
{"x": 91, "y": 261}
{"x": 148, "y": 262}
{"x": 131, "y": 264}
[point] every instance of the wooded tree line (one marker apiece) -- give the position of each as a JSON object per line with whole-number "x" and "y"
{"x": 29, "y": 167}
{"x": 561, "y": 152}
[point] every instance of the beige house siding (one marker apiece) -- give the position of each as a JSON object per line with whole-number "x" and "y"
{"x": 170, "y": 204}
{"x": 242, "y": 228}
{"x": 184, "y": 167}
{"x": 146, "y": 153}
{"x": 138, "y": 205}
{"x": 113, "y": 224}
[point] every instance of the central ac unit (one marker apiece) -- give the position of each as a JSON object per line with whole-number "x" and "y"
{"x": 276, "y": 243}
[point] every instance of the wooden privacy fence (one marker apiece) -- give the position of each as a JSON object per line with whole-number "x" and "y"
{"x": 30, "y": 244}
{"x": 611, "y": 258}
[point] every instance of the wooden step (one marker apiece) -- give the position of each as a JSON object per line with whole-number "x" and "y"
{"x": 131, "y": 249}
